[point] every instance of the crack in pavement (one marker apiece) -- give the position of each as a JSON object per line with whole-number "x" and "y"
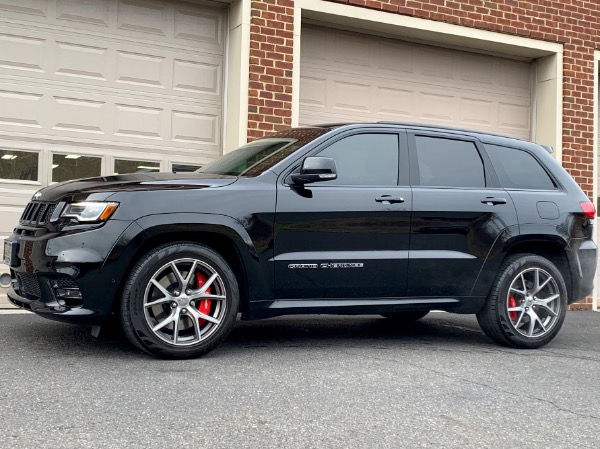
{"x": 472, "y": 382}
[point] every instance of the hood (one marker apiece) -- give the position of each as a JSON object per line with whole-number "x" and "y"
{"x": 100, "y": 188}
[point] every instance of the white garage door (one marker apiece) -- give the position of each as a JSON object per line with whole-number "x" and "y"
{"x": 91, "y": 87}
{"x": 349, "y": 76}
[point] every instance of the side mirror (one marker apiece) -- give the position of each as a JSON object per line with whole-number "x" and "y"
{"x": 315, "y": 169}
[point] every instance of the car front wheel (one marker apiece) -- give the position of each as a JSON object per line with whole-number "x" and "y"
{"x": 179, "y": 301}
{"x": 527, "y": 304}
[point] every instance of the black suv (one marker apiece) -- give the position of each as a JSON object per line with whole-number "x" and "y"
{"x": 387, "y": 218}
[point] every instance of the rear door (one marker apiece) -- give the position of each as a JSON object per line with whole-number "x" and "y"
{"x": 347, "y": 238}
{"x": 458, "y": 213}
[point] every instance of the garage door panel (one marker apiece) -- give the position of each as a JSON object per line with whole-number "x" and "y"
{"x": 63, "y": 113}
{"x": 200, "y": 77}
{"x": 21, "y": 53}
{"x": 515, "y": 76}
{"x": 80, "y": 62}
{"x": 164, "y": 23}
{"x": 437, "y": 64}
{"x": 89, "y": 12}
{"x": 203, "y": 26}
{"x": 26, "y": 7}
{"x": 349, "y": 96}
{"x": 477, "y": 70}
{"x": 355, "y": 77}
{"x": 109, "y": 64}
{"x": 514, "y": 117}
{"x": 397, "y": 58}
{"x": 313, "y": 92}
{"x": 392, "y": 103}
{"x": 143, "y": 16}
{"x": 478, "y": 113}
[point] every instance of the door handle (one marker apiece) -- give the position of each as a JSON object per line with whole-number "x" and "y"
{"x": 388, "y": 199}
{"x": 491, "y": 201}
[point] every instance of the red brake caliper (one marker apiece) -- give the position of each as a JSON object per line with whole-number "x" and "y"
{"x": 512, "y": 302}
{"x": 204, "y": 305}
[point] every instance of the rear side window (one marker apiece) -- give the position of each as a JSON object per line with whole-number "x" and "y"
{"x": 449, "y": 163}
{"x": 517, "y": 169}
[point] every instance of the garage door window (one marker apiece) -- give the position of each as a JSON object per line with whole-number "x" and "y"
{"x": 184, "y": 168}
{"x": 449, "y": 163}
{"x": 365, "y": 159}
{"x": 75, "y": 166}
{"x": 130, "y": 166}
{"x": 19, "y": 165}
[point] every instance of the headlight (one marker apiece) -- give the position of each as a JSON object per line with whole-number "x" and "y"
{"x": 89, "y": 211}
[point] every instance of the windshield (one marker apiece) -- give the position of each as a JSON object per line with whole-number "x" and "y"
{"x": 259, "y": 156}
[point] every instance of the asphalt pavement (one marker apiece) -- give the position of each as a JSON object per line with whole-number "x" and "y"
{"x": 302, "y": 382}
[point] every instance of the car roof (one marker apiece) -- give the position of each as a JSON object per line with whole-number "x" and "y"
{"x": 484, "y": 136}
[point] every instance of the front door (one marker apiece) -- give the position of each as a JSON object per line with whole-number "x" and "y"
{"x": 347, "y": 238}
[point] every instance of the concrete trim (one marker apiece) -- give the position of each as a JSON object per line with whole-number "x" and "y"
{"x": 548, "y": 121}
{"x": 237, "y": 76}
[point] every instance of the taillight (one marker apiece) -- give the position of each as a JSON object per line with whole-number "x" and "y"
{"x": 589, "y": 211}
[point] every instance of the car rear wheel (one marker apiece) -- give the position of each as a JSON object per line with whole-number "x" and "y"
{"x": 406, "y": 317}
{"x": 527, "y": 304}
{"x": 179, "y": 301}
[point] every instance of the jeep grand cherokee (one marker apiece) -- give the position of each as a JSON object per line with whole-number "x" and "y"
{"x": 387, "y": 218}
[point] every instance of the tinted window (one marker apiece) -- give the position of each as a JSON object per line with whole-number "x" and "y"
{"x": 517, "y": 169}
{"x": 449, "y": 163}
{"x": 365, "y": 159}
{"x": 256, "y": 157}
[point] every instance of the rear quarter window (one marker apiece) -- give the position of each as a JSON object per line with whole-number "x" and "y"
{"x": 518, "y": 169}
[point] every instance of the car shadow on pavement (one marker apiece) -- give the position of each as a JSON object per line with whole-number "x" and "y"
{"x": 304, "y": 332}
{"x": 361, "y": 331}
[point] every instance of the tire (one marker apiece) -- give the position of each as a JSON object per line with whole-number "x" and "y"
{"x": 527, "y": 304}
{"x": 180, "y": 301}
{"x": 406, "y": 317}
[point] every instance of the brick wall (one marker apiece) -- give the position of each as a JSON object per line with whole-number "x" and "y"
{"x": 271, "y": 63}
{"x": 573, "y": 23}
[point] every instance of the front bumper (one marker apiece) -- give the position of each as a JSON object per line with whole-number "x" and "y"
{"x": 68, "y": 276}
{"x": 56, "y": 309}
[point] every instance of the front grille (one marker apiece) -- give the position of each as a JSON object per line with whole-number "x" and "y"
{"x": 29, "y": 286}
{"x": 64, "y": 282}
{"x": 37, "y": 213}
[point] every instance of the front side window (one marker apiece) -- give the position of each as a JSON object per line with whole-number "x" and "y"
{"x": 75, "y": 166}
{"x": 365, "y": 159}
{"x": 19, "y": 165}
{"x": 259, "y": 156}
{"x": 449, "y": 163}
{"x": 517, "y": 169}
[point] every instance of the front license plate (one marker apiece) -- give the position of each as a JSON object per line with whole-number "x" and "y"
{"x": 10, "y": 253}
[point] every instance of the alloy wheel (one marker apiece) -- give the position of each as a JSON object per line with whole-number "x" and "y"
{"x": 184, "y": 302}
{"x": 533, "y": 302}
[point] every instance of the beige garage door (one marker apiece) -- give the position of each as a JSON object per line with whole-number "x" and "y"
{"x": 91, "y": 87}
{"x": 349, "y": 76}
{"x": 97, "y": 87}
